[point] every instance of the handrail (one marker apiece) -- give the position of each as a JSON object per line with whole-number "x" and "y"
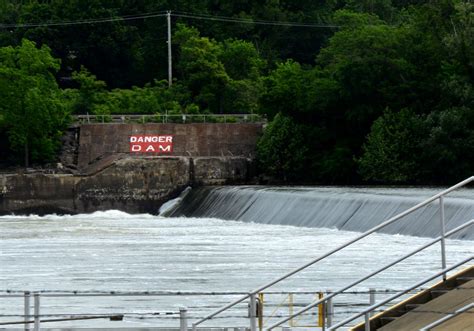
{"x": 337, "y": 249}
{"x": 360, "y": 280}
{"x": 448, "y": 317}
{"x": 395, "y": 296}
{"x": 165, "y": 118}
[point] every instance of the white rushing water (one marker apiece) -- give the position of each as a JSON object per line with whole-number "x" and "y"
{"x": 115, "y": 251}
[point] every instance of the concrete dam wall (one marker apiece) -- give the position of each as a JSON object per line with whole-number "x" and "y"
{"x": 108, "y": 175}
{"x": 189, "y": 140}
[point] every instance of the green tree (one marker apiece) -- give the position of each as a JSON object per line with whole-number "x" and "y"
{"x": 458, "y": 70}
{"x": 202, "y": 72}
{"x": 393, "y": 148}
{"x": 448, "y": 147}
{"x": 286, "y": 90}
{"x": 244, "y": 67}
{"x": 282, "y": 151}
{"x": 222, "y": 77}
{"x": 90, "y": 91}
{"x": 30, "y": 101}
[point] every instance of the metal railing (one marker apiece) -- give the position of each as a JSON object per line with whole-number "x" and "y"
{"x": 440, "y": 196}
{"x": 36, "y": 302}
{"x": 367, "y": 311}
{"x": 360, "y": 280}
{"x": 448, "y": 317}
{"x": 169, "y": 118}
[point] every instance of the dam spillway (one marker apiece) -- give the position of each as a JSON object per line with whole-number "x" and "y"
{"x": 348, "y": 209}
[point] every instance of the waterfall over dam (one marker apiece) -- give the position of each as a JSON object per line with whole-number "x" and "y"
{"x": 349, "y": 209}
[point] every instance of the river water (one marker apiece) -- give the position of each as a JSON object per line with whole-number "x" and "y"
{"x": 115, "y": 251}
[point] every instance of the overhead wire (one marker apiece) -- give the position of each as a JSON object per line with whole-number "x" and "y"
{"x": 174, "y": 14}
{"x": 251, "y": 21}
{"x": 86, "y": 21}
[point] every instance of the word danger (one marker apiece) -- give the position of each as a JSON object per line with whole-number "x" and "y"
{"x": 151, "y": 144}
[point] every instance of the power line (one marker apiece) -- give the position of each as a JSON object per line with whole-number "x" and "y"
{"x": 251, "y": 21}
{"x": 175, "y": 14}
{"x": 85, "y": 21}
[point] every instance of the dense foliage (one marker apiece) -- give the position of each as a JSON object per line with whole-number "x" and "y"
{"x": 379, "y": 91}
{"x": 33, "y": 112}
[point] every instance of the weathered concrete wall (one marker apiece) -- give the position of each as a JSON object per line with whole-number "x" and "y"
{"x": 107, "y": 176}
{"x": 222, "y": 170}
{"x": 134, "y": 185}
{"x": 37, "y": 193}
{"x": 191, "y": 140}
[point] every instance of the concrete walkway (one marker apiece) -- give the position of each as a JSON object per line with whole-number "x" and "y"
{"x": 438, "y": 308}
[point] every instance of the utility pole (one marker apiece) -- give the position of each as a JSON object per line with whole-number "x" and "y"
{"x": 170, "y": 70}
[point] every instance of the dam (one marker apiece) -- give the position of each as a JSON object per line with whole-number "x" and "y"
{"x": 216, "y": 243}
{"x": 125, "y": 239}
{"x": 348, "y": 209}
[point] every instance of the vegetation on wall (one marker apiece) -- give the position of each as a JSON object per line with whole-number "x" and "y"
{"x": 355, "y": 91}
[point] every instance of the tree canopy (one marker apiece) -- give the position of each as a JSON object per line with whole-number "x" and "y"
{"x": 32, "y": 111}
{"x": 355, "y": 91}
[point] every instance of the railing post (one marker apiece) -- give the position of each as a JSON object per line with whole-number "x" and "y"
{"x": 37, "y": 311}
{"x": 321, "y": 311}
{"x": 323, "y": 319}
{"x": 443, "y": 234}
{"x": 367, "y": 322}
{"x": 371, "y": 300}
{"x": 27, "y": 310}
{"x": 183, "y": 319}
{"x": 253, "y": 312}
{"x": 329, "y": 310}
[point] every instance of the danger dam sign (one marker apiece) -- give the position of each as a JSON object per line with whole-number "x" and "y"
{"x": 151, "y": 144}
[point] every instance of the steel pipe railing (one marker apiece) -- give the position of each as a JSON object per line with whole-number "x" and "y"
{"x": 360, "y": 280}
{"x": 395, "y": 296}
{"x": 339, "y": 248}
{"x": 170, "y": 118}
{"x": 448, "y": 317}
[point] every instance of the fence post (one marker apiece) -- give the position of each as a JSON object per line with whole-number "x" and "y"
{"x": 253, "y": 312}
{"x": 183, "y": 319}
{"x": 321, "y": 312}
{"x": 27, "y": 310}
{"x": 329, "y": 310}
{"x": 260, "y": 310}
{"x": 371, "y": 300}
{"x": 367, "y": 322}
{"x": 37, "y": 312}
{"x": 443, "y": 231}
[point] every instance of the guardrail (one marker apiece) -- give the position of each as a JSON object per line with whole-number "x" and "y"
{"x": 168, "y": 118}
{"x": 367, "y": 311}
{"x": 448, "y": 317}
{"x": 252, "y": 294}
{"x": 360, "y": 280}
{"x": 271, "y": 306}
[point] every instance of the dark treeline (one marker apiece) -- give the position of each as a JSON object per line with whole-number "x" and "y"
{"x": 372, "y": 91}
